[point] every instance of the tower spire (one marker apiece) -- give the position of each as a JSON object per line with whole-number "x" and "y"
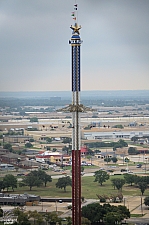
{"x": 75, "y": 12}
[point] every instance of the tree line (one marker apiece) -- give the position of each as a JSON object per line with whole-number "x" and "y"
{"x": 91, "y": 214}
{"x": 33, "y": 179}
{"x": 141, "y": 182}
{"x": 119, "y": 144}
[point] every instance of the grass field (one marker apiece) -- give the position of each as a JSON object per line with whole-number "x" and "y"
{"x": 89, "y": 189}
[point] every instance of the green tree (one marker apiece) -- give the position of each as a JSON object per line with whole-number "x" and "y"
{"x": 107, "y": 159}
{"x": 22, "y": 217}
{"x": 134, "y": 139}
{"x": 123, "y": 211}
{"x": 63, "y": 182}
{"x": 31, "y": 140}
{"x": 8, "y": 146}
{"x": 146, "y": 200}
{"x": 116, "y": 146}
{"x": 42, "y": 175}
{"x": 82, "y": 169}
{"x": 92, "y": 212}
{"x": 52, "y": 217}
{"x": 66, "y": 149}
{"x": 114, "y": 159}
{"x": 67, "y": 140}
{"x": 120, "y": 144}
{"x": 10, "y": 181}
{"x": 132, "y": 151}
{"x": 96, "y": 212}
{"x": 31, "y": 181}
{"x": 101, "y": 176}
{"x": 1, "y": 212}
{"x": 97, "y": 151}
{"x": 36, "y": 216}
{"x": 137, "y": 179}
{"x": 90, "y": 152}
{"x": 33, "y": 119}
{"x": 85, "y": 221}
{"x": 113, "y": 180}
{"x": 2, "y": 186}
{"x": 48, "y": 140}
{"x": 46, "y": 178}
{"x": 118, "y": 183}
{"x": 112, "y": 218}
{"x": 69, "y": 220}
{"x": 120, "y": 126}
{"x": 123, "y": 143}
{"x": 142, "y": 187}
{"x": 130, "y": 178}
{"x": 89, "y": 157}
{"x": 33, "y": 214}
{"x": 28, "y": 145}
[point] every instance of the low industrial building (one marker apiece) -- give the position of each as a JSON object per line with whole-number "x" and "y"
{"x": 12, "y": 158}
{"x": 112, "y": 134}
{"x": 16, "y": 138}
{"x": 6, "y": 167}
{"x": 52, "y": 157}
{"x": 19, "y": 199}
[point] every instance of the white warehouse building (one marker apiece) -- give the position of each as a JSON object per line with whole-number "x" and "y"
{"x": 113, "y": 135}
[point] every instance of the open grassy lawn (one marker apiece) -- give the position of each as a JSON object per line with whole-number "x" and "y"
{"x": 89, "y": 189}
{"x": 49, "y": 191}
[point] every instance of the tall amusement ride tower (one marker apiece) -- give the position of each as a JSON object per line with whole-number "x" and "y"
{"x": 76, "y": 108}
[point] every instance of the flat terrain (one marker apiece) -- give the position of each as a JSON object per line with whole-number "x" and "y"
{"x": 90, "y": 189}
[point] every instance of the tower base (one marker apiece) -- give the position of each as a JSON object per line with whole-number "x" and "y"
{"x": 76, "y": 187}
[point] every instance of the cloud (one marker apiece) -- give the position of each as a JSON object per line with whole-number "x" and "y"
{"x": 34, "y": 45}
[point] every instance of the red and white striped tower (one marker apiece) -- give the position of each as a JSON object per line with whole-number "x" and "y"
{"x": 75, "y": 43}
{"x": 76, "y": 108}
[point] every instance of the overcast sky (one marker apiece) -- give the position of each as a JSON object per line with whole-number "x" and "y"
{"x": 35, "y": 54}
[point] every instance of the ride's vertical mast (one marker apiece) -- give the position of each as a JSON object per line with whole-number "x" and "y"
{"x": 76, "y": 108}
{"x": 75, "y": 43}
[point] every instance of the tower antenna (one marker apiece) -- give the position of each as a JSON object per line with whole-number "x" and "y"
{"x": 75, "y": 12}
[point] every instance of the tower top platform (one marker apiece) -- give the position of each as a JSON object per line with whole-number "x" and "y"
{"x": 75, "y": 39}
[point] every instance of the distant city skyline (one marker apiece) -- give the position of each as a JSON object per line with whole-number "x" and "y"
{"x": 35, "y": 54}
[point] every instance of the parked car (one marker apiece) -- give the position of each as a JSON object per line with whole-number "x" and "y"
{"x": 89, "y": 164}
{"x": 57, "y": 170}
{"x": 102, "y": 168}
{"x": 123, "y": 170}
{"x": 20, "y": 174}
{"x": 139, "y": 166}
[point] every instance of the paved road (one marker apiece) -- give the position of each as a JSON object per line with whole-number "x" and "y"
{"x": 131, "y": 201}
{"x": 139, "y": 221}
